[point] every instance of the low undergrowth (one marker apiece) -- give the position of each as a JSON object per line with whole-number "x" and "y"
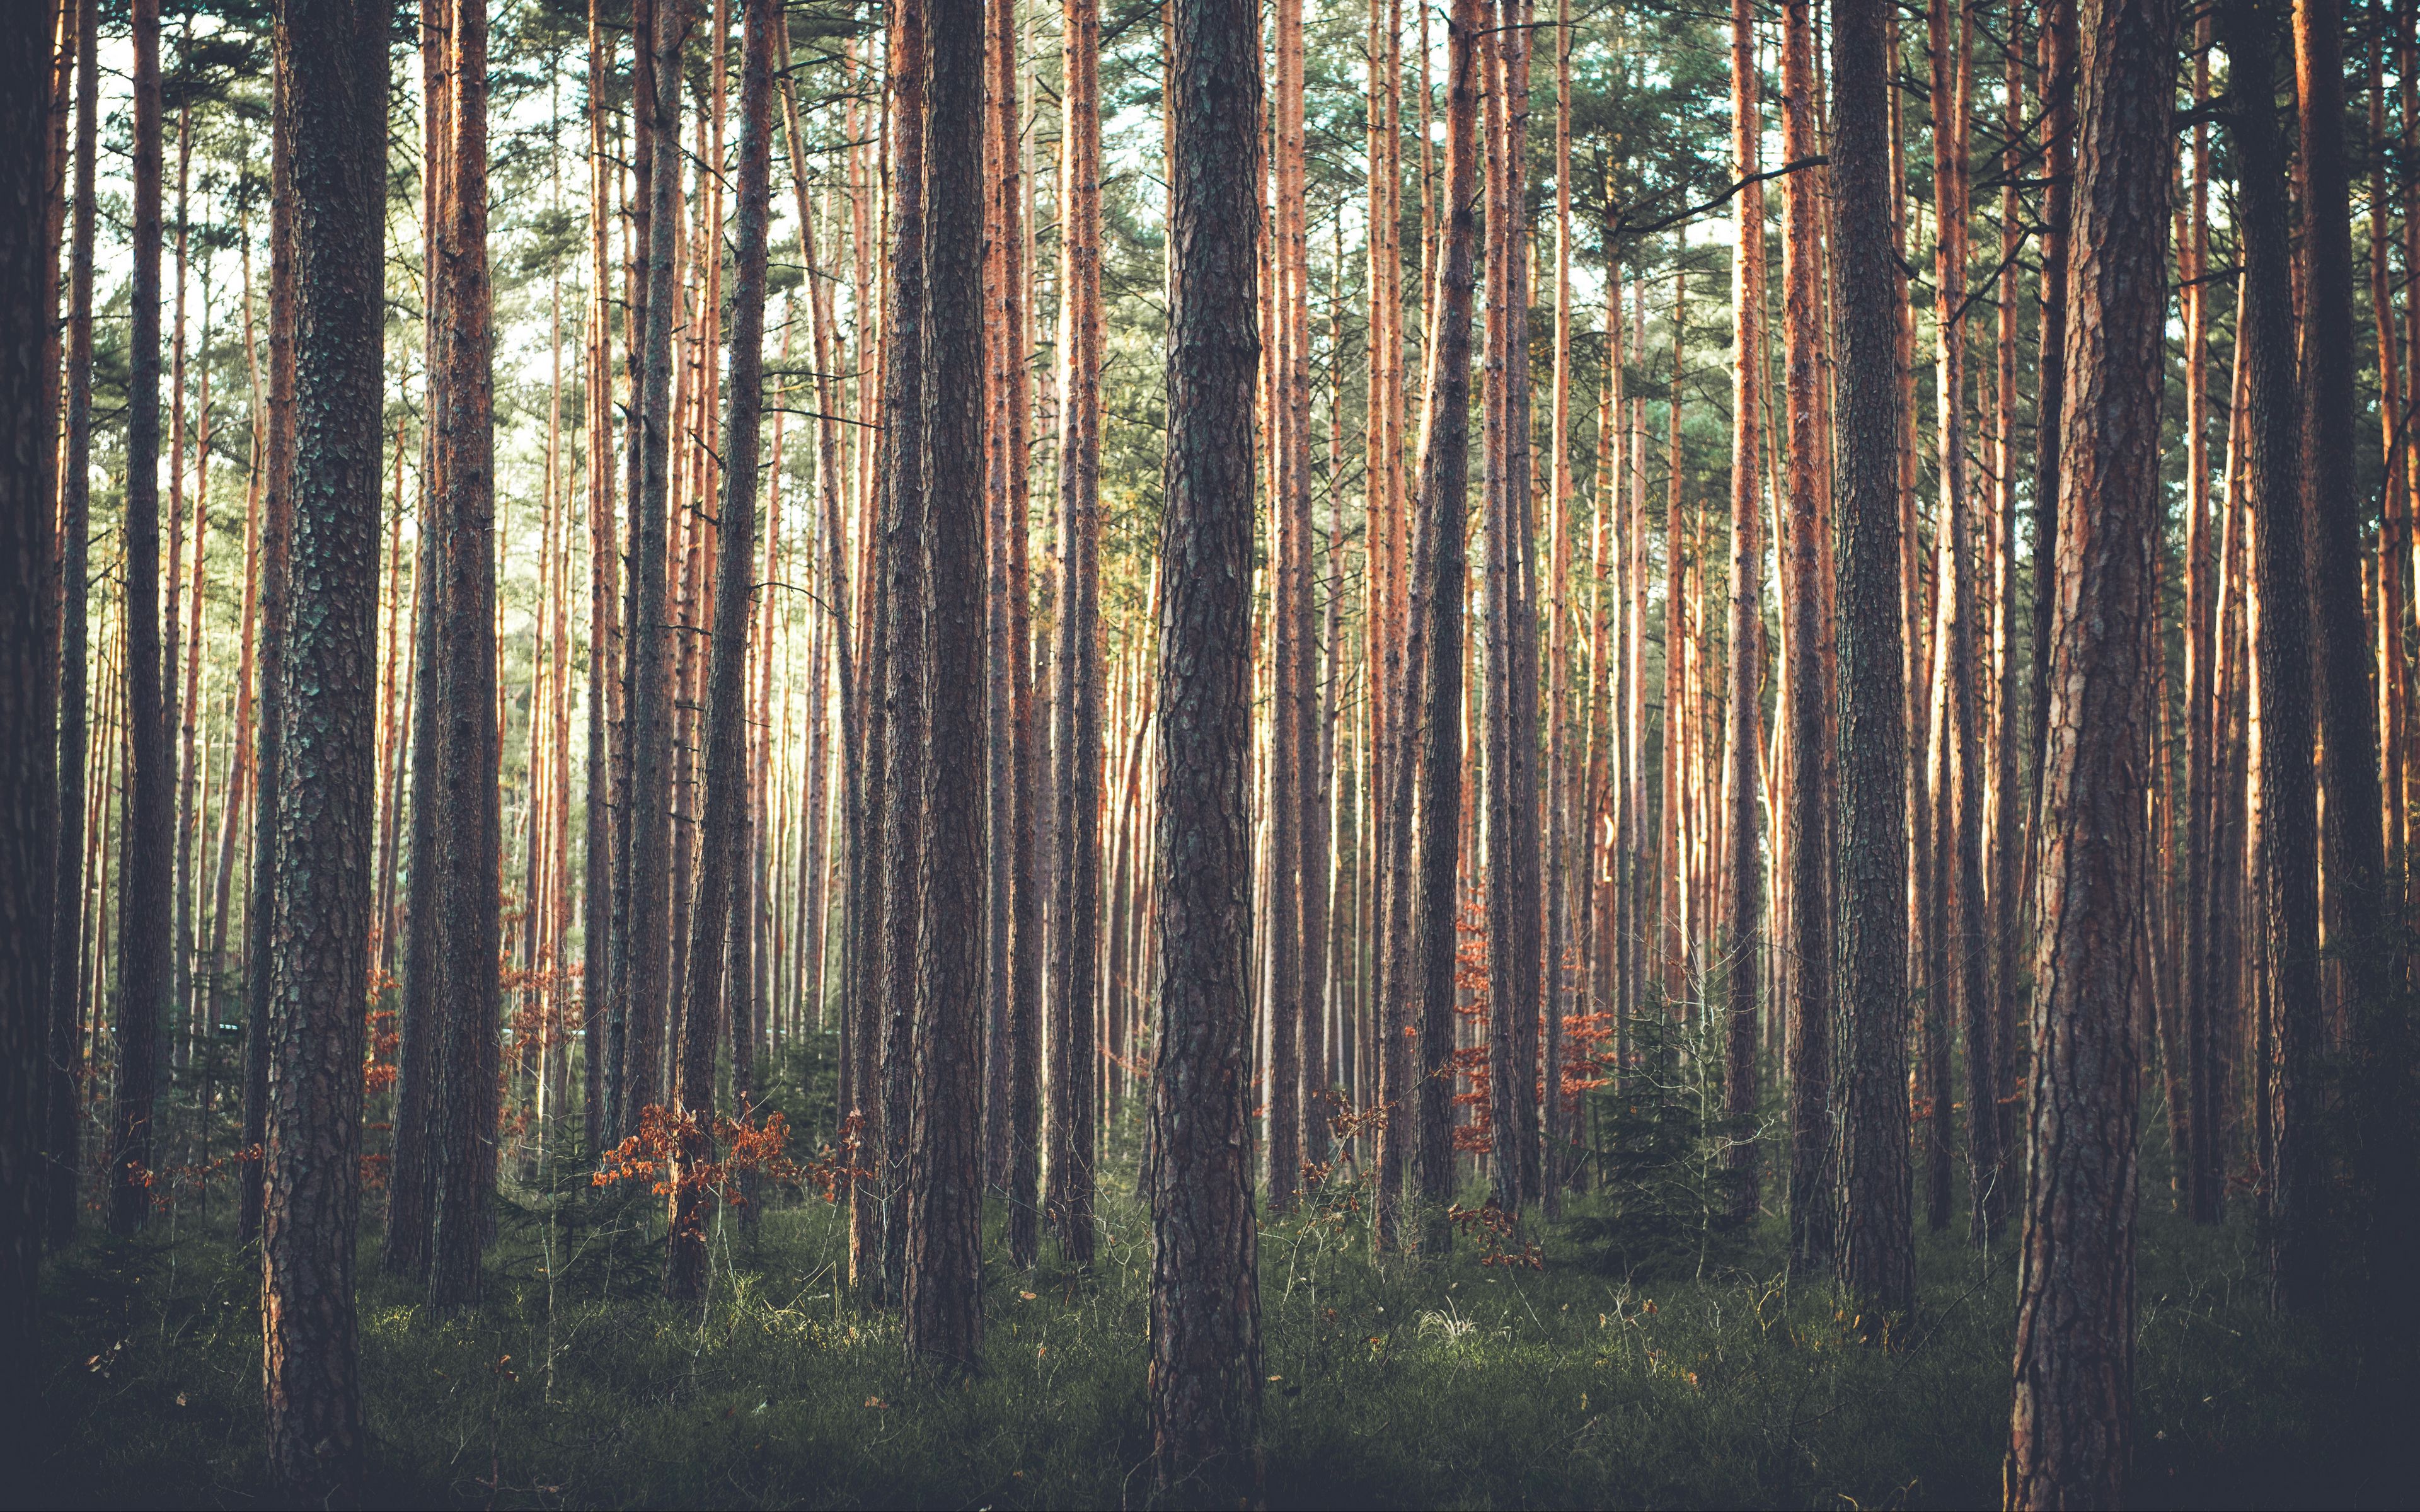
{"x": 1477, "y": 1381}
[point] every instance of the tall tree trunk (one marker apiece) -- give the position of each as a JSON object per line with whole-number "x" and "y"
{"x": 2203, "y": 772}
{"x": 604, "y": 626}
{"x": 143, "y": 921}
{"x": 2058, "y": 72}
{"x": 1741, "y": 816}
{"x": 647, "y": 938}
{"x": 1560, "y": 777}
{"x": 723, "y": 858}
{"x": 1809, "y": 1048}
{"x": 2071, "y": 1429}
{"x": 64, "y": 1116}
{"x": 1076, "y": 735}
{"x": 29, "y": 392}
{"x": 944, "y": 1289}
{"x": 1953, "y": 85}
{"x": 335, "y": 57}
{"x": 1875, "y": 1247}
{"x": 1204, "y": 1382}
{"x": 2359, "y": 900}
{"x": 463, "y": 1148}
{"x": 903, "y": 655}
{"x": 1420, "y": 939}
{"x": 2287, "y": 806}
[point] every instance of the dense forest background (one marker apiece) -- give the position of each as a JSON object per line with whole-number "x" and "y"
{"x": 1500, "y": 752}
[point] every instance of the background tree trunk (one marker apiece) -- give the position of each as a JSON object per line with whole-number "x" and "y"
{"x": 142, "y": 920}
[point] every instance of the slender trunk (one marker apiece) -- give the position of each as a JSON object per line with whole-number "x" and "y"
{"x": 64, "y": 1090}
{"x": 903, "y": 597}
{"x": 143, "y": 921}
{"x": 1076, "y": 738}
{"x": 1742, "y": 815}
{"x": 1808, "y": 1049}
{"x": 724, "y": 860}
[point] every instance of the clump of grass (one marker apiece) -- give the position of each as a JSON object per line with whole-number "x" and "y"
{"x": 1451, "y": 1381}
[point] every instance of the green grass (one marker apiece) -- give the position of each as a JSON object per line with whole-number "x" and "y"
{"x": 1448, "y": 1384}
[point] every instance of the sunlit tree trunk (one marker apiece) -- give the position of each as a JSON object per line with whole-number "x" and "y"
{"x": 2071, "y": 1429}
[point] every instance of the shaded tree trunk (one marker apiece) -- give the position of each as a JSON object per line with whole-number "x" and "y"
{"x": 29, "y": 391}
{"x": 143, "y": 921}
{"x": 335, "y": 59}
{"x": 903, "y": 610}
{"x": 64, "y": 1087}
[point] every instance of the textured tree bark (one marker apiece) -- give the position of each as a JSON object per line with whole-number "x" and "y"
{"x": 463, "y": 1148}
{"x": 1204, "y": 1381}
{"x": 2070, "y": 1428}
{"x": 62, "y": 1127}
{"x": 1875, "y": 1246}
{"x": 335, "y": 60}
{"x": 29, "y": 391}
{"x": 143, "y": 876}
{"x": 1808, "y": 1047}
{"x": 1279, "y": 932}
{"x": 1028, "y": 947}
{"x": 410, "y": 1177}
{"x": 604, "y": 624}
{"x": 1076, "y": 733}
{"x": 944, "y": 1285}
{"x": 902, "y": 529}
{"x": 1741, "y": 817}
{"x": 722, "y": 849}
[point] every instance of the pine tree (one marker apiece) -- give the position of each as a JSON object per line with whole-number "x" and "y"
{"x": 2069, "y": 1430}
{"x": 1204, "y": 1384}
{"x": 334, "y": 55}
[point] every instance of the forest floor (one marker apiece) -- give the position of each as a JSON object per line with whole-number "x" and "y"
{"x": 1698, "y": 1380}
